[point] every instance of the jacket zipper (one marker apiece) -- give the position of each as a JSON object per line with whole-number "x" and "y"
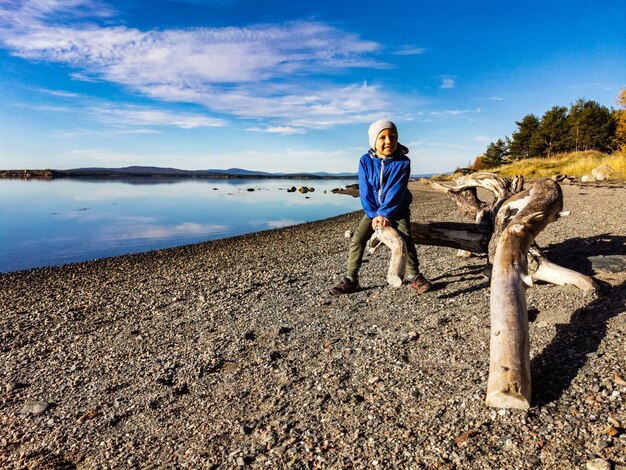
{"x": 380, "y": 188}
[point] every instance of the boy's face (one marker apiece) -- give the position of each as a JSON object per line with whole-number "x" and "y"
{"x": 386, "y": 143}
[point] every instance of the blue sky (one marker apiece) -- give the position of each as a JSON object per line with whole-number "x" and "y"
{"x": 290, "y": 85}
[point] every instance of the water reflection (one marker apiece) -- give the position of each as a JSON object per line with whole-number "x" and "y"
{"x": 46, "y": 223}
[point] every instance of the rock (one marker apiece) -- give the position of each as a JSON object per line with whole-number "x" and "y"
{"x": 89, "y": 414}
{"x": 462, "y": 438}
{"x": 609, "y": 263}
{"x": 558, "y": 177}
{"x": 598, "y": 464}
{"x": 348, "y": 234}
{"x": 601, "y": 173}
{"x": 303, "y": 189}
{"x": 617, "y": 379}
{"x": 250, "y": 189}
{"x": 586, "y": 179}
{"x": 610, "y": 431}
{"x": 35, "y": 408}
{"x": 613, "y": 422}
{"x": 566, "y": 181}
{"x": 12, "y": 386}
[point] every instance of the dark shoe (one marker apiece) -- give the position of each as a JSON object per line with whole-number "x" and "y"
{"x": 346, "y": 286}
{"x": 420, "y": 284}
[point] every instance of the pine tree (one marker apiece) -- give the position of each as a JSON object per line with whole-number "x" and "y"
{"x": 494, "y": 154}
{"x": 552, "y": 135}
{"x": 521, "y": 140}
{"x": 591, "y": 126}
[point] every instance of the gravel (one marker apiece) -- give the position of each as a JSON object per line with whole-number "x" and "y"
{"x": 232, "y": 354}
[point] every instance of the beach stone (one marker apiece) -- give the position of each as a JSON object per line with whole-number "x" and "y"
{"x": 602, "y": 172}
{"x": 11, "y": 386}
{"x": 598, "y": 464}
{"x": 609, "y": 263}
{"x": 35, "y": 408}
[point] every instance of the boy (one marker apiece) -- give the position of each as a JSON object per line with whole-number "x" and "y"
{"x": 383, "y": 187}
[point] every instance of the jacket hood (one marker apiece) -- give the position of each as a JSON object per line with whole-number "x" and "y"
{"x": 400, "y": 151}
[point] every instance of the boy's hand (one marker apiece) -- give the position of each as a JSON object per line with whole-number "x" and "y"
{"x": 380, "y": 221}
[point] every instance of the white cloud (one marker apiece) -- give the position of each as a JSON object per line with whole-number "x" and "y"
{"x": 410, "y": 50}
{"x": 60, "y": 93}
{"x": 81, "y": 132}
{"x": 45, "y": 107}
{"x": 284, "y": 130}
{"x": 447, "y": 83}
{"x": 482, "y": 139}
{"x": 142, "y": 116}
{"x": 260, "y": 71}
{"x": 454, "y": 112}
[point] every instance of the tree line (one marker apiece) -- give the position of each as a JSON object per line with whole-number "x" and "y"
{"x": 586, "y": 125}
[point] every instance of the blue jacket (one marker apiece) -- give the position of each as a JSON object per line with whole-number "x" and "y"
{"x": 387, "y": 196}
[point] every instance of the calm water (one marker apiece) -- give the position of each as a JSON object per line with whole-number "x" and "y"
{"x": 46, "y": 223}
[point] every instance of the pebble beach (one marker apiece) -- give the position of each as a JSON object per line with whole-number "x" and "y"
{"x": 234, "y": 354}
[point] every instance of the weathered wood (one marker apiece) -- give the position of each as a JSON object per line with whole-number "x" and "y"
{"x": 547, "y": 271}
{"x": 501, "y": 188}
{"x": 463, "y": 236}
{"x": 509, "y": 384}
{"x": 466, "y": 200}
{"x": 390, "y": 237}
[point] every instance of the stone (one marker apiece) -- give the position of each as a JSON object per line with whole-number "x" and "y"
{"x": 35, "y": 408}
{"x": 598, "y": 464}
{"x": 609, "y": 263}
{"x": 613, "y": 422}
{"x": 602, "y": 172}
{"x": 586, "y": 179}
{"x": 610, "y": 431}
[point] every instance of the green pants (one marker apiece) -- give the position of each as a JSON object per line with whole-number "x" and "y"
{"x": 402, "y": 223}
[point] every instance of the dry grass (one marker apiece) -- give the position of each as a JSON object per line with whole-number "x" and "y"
{"x": 570, "y": 164}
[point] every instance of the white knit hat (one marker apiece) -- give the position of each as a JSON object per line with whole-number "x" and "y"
{"x": 377, "y": 127}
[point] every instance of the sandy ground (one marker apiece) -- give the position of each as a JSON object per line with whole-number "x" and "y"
{"x": 233, "y": 353}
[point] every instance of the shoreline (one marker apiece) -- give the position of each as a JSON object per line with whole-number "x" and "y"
{"x": 232, "y": 353}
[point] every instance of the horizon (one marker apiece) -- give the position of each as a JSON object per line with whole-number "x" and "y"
{"x": 222, "y": 84}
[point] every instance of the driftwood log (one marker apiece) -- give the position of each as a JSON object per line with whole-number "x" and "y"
{"x": 391, "y": 238}
{"x": 509, "y": 383}
{"x": 505, "y": 229}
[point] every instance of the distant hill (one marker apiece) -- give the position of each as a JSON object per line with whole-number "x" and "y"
{"x": 211, "y": 173}
{"x": 159, "y": 172}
